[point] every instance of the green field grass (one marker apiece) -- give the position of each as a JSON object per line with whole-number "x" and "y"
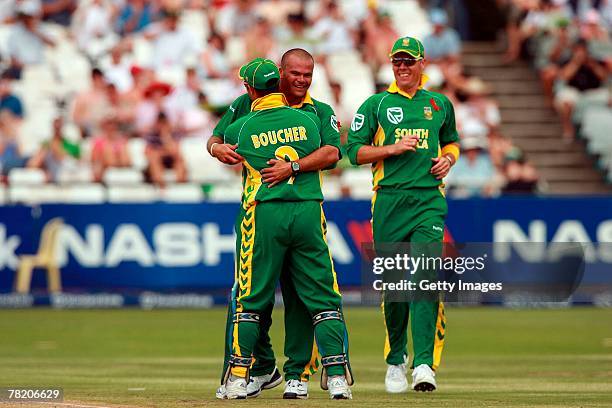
{"x": 493, "y": 357}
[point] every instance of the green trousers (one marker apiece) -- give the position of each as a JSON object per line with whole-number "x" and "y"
{"x": 300, "y": 348}
{"x": 290, "y": 236}
{"x": 415, "y": 216}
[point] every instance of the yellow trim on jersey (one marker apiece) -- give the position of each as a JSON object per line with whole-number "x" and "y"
{"x": 312, "y": 365}
{"x": 307, "y": 99}
{"x": 378, "y": 168}
{"x": 252, "y": 184}
{"x": 393, "y": 88}
{"x": 270, "y": 101}
{"x": 324, "y": 233}
{"x": 439, "y": 336}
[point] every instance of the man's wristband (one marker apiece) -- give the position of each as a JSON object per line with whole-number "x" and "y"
{"x": 211, "y": 149}
{"x": 450, "y": 161}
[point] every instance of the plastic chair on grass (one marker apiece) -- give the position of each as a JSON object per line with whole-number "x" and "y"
{"x": 44, "y": 258}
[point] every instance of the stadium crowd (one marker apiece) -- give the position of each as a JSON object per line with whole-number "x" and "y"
{"x": 98, "y": 84}
{"x": 569, "y": 43}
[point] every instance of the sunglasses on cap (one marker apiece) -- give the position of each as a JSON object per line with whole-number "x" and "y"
{"x": 397, "y": 62}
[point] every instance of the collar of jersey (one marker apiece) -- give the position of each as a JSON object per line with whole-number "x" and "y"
{"x": 307, "y": 99}
{"x": 393, "y": 88}
{"x": 273, "y": 100}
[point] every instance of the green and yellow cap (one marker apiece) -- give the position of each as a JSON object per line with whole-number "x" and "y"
{"x": 409, "y": 45}
{"x": 260, "y": 73}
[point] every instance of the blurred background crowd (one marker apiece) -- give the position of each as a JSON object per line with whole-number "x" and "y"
{"x": 104, "y": 93}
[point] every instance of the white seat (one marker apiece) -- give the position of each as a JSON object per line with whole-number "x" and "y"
{"x": 36, "y": 194}
{"x": 122, "y": 176}
{"x": 84, "y": 194}
{"x": 136, "y": 193}
{"x": 81, "y": 173}
{"x": 201, "y": 166}
{"x": 2, "y": 195}
{"x": 331, "y": 188}
{"x": 226, "y": 193}
{"x": 182, "y": 193}
{"x": 136, "y": 150}
{"x": 26, "y": 176}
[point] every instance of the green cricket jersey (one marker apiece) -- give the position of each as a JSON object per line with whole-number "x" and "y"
{"x": 274, "y": 130}
{"x": 330, "y": 134}
{"x": 386, "y": 117}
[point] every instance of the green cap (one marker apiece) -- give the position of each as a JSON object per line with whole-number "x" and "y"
{"x": 408, "y": 45}
{"x": 260, "y": 73}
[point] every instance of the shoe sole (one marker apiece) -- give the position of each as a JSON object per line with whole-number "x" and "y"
{"x": 340, "y": 397}
{"x": 293, "y": 395}
{"x": 424, "y": 387}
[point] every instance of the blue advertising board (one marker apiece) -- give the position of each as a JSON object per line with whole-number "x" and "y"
{"x": 177, "y": 248}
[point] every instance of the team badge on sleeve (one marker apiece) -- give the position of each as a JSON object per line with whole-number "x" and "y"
{"x": 334, "y": 123}
{"x": 427, "y": 113}
{"x": 357, "y": 122}
{"x": 395, "y": 115}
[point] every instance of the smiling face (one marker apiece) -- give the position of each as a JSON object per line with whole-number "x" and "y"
{"x": 296, "y": 76}
{"x": 407, "y": 77}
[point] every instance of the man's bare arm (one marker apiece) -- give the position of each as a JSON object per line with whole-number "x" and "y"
{"x": 225, "y": 153}
{"x": 370, "y": 154}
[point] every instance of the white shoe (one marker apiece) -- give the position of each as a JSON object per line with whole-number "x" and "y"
{"x": 221, "y": 394}
{"x": 338, "y": 387}
{"x": 263, "y": 382}
{"x": 423, "y": 378}
{"x": 236, "y": 388}
{"x": 296, "y": 389}
{"x": 395, "y": 380}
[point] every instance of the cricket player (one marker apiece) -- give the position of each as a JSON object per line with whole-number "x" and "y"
{"x": 282, "y": 226}
{"x": 296, "y": 71}
{"x": 409, "y": 136}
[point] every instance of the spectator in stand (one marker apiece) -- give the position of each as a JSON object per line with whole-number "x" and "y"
{"x": 10, "y": 153}
{"x": 121, "y": 109}
{"x": 109, "y": 149}
{"x": 474, "y": 174}
{"x": 135, "y": 16}
{"x": 149, "y": 109}
{"x": 163, "y": 152}
{"x": 558, "y": 50}
{"x": 276, "y": 11}
{"x": 173, "y": 46}
{"x": 94, "y": 24}
{"x": 183, "y": 107}
{"x": 9, "y": 101}
{"x": 479, "y": 105}
{"x": 333, "y": 30}
{"x": 521, "y": 177}
{"x": 91, "y": 105}
{"x": 214, "y": 60}
{"x": 259, "y": 41}
{"x": 236, "y": 19}
{"x": 581, "y": 75}
{"x": 142, "y": 79}
{"x": 295, "y": 34}
{"x": 57, "y": 155}
{"x": 596, "y": 36}
{"x": 443, "y": 45}
{"x": 26, "y": 42}
{"x": 380, "y": 34}
{"x": 58, "y": 11}
{"x": 117, "y": 70}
